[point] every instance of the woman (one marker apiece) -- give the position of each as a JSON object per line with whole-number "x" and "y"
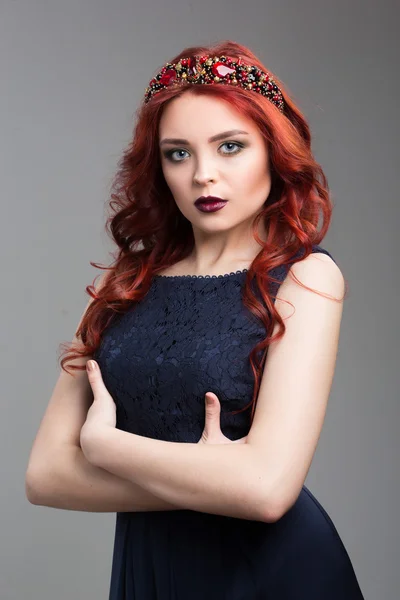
{"x": 199, "y": 423}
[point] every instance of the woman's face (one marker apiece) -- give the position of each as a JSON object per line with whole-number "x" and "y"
{"x": 234, "y": 167}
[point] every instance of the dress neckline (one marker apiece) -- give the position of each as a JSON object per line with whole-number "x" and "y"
{"x": 223, "y": 276}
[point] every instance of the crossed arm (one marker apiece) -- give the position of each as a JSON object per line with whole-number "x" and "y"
{"x": 223, "y": 479}
{"x": 260, "y": 479}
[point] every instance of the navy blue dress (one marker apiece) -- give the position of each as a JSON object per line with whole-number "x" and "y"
{"x": 189, "y": 335}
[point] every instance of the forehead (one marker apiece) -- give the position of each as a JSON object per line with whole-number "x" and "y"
{"x": 201, "y": 115}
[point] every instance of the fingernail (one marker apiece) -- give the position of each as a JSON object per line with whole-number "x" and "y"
{"x": 90, "y": 365}
{"x": 208, "y": 399}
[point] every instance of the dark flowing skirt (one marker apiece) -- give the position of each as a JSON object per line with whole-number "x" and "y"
{"x": 190, "y": 555}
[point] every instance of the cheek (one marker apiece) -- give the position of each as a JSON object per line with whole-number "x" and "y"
{"x": 178, "y": 187}
{"x": 173, "y": 182}
{"x": 175, "y": 177}
{"x": 252, "y": 178}
{"x": 254, "y": 164}
{"x": 168, "y": 176}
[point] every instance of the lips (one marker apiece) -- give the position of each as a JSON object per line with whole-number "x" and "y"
{"x": 209, "y": 200}
{"x": 208, "y": 207}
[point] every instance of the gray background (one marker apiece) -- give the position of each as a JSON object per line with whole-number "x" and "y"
{"x": 72, "y": 74}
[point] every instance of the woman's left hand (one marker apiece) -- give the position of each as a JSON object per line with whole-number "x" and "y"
{"x": 102, "y": 414}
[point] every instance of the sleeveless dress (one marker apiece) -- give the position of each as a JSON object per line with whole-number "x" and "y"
{"x": 189, "y": 335}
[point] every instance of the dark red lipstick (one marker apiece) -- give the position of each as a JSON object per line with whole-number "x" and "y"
{"x": 210, "y": 203}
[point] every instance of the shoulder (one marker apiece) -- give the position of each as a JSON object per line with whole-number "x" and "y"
{"x": 318, "y": 271}
{"x": 321, "y": 275}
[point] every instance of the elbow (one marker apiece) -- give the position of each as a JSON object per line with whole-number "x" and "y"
{"x": 268, "y": 511}
{"x": 273, "y": 514}
{"x": 264, "y": 507}
{"x": 275, "y": 509}
{"x": 273, "y": 498}
{"x": 36, "y": 488}
{"x": 258, "y": 494}
{"x": 32, "y": 488}
{"x": 44, "y": 478}
{"x": 269, "y": 508}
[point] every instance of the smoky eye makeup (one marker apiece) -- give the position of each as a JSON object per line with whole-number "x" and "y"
{"x": 168, "y": 154}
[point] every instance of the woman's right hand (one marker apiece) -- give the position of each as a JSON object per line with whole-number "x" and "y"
{"x": 212, "y": 433}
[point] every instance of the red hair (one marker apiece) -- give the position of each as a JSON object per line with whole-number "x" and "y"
{"x": 152, "y": 234}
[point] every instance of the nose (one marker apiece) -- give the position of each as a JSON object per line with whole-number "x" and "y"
{"x": 204, "y": 172}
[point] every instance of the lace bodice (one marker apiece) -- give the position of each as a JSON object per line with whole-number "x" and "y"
{"x": 189, "y": 335}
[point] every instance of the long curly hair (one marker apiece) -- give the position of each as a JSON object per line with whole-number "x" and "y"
{"x": 152, "y": 234}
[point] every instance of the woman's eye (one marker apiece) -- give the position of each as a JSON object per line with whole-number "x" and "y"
{"x": 170, "y": 153}
{"x": 232, "y": 144}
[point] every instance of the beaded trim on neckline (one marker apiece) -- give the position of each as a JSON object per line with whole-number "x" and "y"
{"x": 202, "y": 276}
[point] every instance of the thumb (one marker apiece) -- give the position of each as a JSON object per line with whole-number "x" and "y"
{"x": 213, "y": 409}
{"x": 94, "y": 376}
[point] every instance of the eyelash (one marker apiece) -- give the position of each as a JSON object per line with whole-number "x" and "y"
{"x": 169, "y": 153}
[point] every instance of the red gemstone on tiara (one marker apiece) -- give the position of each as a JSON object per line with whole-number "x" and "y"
{"x": 192, "y": 66}
{"x": 221, "y": 69}
{"x": 167, "y": 77}
{"x": 194, "y": 72}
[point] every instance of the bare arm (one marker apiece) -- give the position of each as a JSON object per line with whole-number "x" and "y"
{"x": 75, "y": 484}
{"x": 224, "y": 479}
{"x": 261, "y": 479}
{"x": 58, "y": 474}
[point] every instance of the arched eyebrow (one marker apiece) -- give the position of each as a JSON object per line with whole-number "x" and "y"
{"x": 214, "y": 138}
